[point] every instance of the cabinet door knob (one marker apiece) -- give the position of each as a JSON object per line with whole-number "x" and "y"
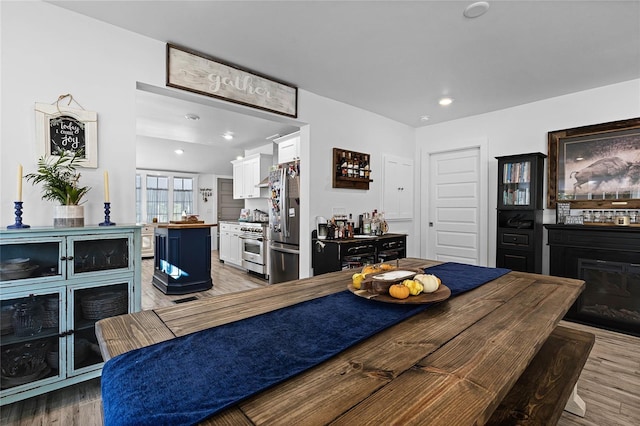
{"x": 63, "y": 258}
{"x": 69, "y": 257}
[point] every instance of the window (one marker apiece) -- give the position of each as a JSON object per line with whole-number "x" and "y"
{"x": 162, "y": 196}
{"x": 157, "y": 198}
{"x": 182, "y": 197}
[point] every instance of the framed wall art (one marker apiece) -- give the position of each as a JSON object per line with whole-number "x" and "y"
{"x": 61, "y": 128}
{"x": 595, "y": 166}
{"x": 206, "y": 75}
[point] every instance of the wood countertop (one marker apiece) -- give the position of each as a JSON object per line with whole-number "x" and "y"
{"x": 450, "y": 364}
{"x": 184, "y": 225}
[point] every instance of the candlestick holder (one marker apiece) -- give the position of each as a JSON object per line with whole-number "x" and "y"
{"x": 17, "y": 205}
{"x": 107, "y": 211}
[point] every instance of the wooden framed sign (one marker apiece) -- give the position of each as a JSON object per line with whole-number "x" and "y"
{"x": 199, "y": 73}
{"x": 60, "y": 128}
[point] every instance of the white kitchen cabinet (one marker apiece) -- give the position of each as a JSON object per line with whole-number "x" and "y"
{"x": 397, "y": 194}
{"x": 238, "y": 179}
{"x": 230, "y": 250}
{"x": 288, "y": 147}
{"x": 55, "y": 284}
{"x": 148, "y": 241}
{"x": 247, "y": 174}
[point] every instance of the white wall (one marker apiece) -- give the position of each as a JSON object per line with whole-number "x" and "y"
{"x": 337, "y": 125}
{"x": 48, "y": 51}
{"x": 524, "y": 129}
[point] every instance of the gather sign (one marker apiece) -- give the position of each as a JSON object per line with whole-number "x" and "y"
{"x": 199, "y": 73}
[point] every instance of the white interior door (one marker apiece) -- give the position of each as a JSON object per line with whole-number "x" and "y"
{"x": 454, "y": 223}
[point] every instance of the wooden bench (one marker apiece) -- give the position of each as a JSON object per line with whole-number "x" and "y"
{"x": 541, "y": 393}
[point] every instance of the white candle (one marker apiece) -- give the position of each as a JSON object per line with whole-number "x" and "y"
{"x": 19, "y": 189}
{"x": 106, "y": 186}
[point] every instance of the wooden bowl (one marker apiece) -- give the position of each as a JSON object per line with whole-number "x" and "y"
{"x": 380, "y": 283}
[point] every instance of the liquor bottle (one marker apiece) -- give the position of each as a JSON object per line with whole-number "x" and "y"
{"x": 366, "y": 224}
{"x": 361, "y": 167}
{"x": 343, "y": 165}
{"x": 349, "y": 165}
{"x": 366, "y": 167}
{"x": 375, "y": 224}
{"x": 355, "y": 166}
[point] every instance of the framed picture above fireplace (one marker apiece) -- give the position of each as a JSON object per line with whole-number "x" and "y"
{"x": 595, "y": 166}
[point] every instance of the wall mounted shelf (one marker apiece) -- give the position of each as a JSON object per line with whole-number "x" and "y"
{"x": 351, "y": 169}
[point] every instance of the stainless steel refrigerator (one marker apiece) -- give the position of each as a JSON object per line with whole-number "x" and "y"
{"x": 284, "y": 223}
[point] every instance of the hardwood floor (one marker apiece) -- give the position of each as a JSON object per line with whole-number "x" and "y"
{"x": 609, "y": 383}
{"x": 226, "y": 279}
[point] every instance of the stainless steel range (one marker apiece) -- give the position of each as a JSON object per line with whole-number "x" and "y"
{"x": 255, "y": 248}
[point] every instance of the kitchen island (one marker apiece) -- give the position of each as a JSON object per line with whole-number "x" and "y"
{"x": 452, "y": 363}
{"x": 182, "y": 261}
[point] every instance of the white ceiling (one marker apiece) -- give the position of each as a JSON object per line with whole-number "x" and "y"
{"x": 161, "y": 128}
{"x": 397, "y": 58}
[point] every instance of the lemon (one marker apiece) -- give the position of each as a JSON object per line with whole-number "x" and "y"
{"x": 356, "y": 279}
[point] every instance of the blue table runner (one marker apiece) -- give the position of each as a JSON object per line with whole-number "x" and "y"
{"x": 187, "y": 379}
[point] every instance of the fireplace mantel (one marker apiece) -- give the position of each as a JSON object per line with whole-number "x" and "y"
{"x": 608, "y": 259}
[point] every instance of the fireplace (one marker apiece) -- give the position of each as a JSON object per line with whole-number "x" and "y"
{"x": 608, "y": 260}
{"x": 612, "y": 293}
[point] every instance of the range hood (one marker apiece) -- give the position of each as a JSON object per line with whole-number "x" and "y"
{"x": 264, "y": 183}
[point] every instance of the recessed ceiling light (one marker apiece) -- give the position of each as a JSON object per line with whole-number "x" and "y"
{"x": 476, "y": 9}
{"x": 445, "y": 101}
{"x": 179, "y": 151}
{"x": 228, "y": 136}
{"x": 192, "y": 117}
{"x": 424, "y": 118}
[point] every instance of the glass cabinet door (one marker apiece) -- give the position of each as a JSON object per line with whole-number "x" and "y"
{"x": 515, "y": 184}
{"x": 97, "y": 255}
{"x": 91, "y": 304}
{"x": 31, "y": 338}
{"x": 38, "y": 258}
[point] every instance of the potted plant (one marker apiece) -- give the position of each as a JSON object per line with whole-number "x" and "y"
{"x": 60, "y": 182}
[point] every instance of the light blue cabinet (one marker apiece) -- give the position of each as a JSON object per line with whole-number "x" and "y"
{"x": 55, "y": 284}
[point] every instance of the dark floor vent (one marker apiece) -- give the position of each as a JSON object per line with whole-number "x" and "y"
{"x": 186, "y": 299}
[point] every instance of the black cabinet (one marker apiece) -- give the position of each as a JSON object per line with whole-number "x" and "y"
{"x": 336, "y": 255}
{"x": 519, "y": 236}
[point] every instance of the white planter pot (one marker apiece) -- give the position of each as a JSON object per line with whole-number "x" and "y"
{"x": 68, "y": 216}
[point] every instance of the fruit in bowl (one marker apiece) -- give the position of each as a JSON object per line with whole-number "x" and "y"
{"x": 399, "y": 291}
{"x": 430, "y": 283}
{"x": 377, "y": 269}
{"x": 356, "y": 280}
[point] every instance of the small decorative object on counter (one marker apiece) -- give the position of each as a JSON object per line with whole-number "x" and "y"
{"x": 107, "y": 212}
{"x": 562, "y": 211}
{"x": 60, "y": 182}
{"x": 573, "y": 220}
{"x": 17, "y": 205}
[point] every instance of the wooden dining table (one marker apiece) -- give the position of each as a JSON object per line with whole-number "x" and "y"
{"x": 452, "y": 363}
